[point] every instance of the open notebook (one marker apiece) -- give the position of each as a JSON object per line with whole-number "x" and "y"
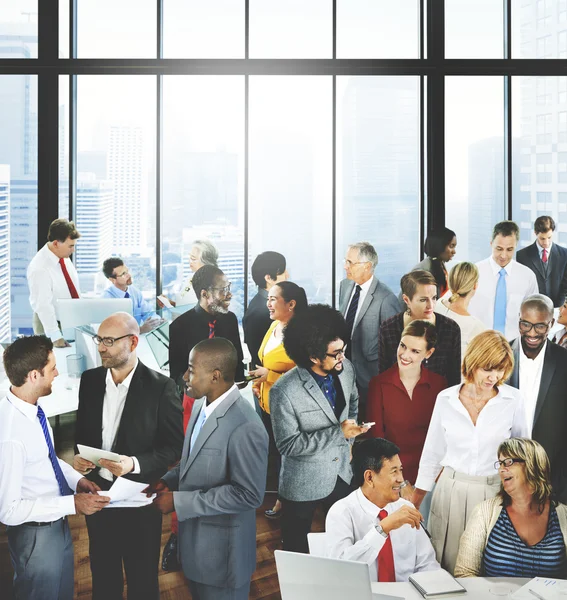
{"x": 436, "y": 584}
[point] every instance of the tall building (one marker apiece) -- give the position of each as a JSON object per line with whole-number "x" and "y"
{"x": 5, "y": 327}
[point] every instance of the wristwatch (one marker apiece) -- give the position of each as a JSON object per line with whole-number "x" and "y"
{"x": 381, "y": 531}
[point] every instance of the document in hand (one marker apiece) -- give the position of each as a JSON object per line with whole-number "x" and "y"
{"x": 125, "y": 493}
{"x": 436, "y": 584}
{"x": 544, "y": 588}
{"x": 95, "y": 454}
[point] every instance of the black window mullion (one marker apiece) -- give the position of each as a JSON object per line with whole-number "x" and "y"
{"x": 508, "y": 148}
{"x": 159, "y": 150}
{"x": 334, "y": 168}
{"x": 246, "y": 153}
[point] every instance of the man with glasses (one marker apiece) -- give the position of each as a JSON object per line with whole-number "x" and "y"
{"x": 134, "y": 411}
{"x": 364, "y": 302}
{"x": 540, "y": 373}
{"x": 314, "y": 408}
{"x": 118, "y": 274}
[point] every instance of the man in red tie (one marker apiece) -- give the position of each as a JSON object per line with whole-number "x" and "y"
{"x": 51, "y": 275}
{"x": 373, "y": 524}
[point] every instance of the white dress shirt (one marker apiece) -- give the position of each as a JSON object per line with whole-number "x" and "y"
{"x": 47, "y": 284}
{"x": 364, "y": 287}
{"x": 209, "y": 408}
{"x": 520, "y": 282}
{"x": 351, "y": 535}
{"x": 530, "y": 379}
{"x": 186, "y": 295}
{"x": 453, "y": 441}
{"x": 540, "y": 250}
{"x": 112, "y": 409}
{"x": 28, "y": 487}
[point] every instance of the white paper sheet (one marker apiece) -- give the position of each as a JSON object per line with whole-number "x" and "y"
{"x": 126, "y": 493}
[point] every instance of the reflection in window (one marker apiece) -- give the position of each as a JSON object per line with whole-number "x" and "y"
{"x": 18, "y": 29}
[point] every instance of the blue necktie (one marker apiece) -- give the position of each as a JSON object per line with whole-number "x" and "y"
{"x": 198, "y": 426}
{"x": 126, "y": 295}
{"x": 351, "y": 313}
{"x": 500, "y": 303}
{"x": 61, "y": 481}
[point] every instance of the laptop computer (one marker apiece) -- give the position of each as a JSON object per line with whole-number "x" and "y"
{"x": 305, "y": 577}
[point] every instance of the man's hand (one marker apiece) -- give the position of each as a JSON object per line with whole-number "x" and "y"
{"x": 160, "y": 486}
{"x": 150, "y": 324}
{"x": 88, "y": 504}
{"x": 125, "y": 466}
{"x": 351, "y": 429}
{"x": 164, "y": 502}
{"x": 406, "y": 514}
{"x": 61, "y": 343}
{"x": 417, "y": 497}
{"x": 87, "y": 487}
{"x": 82, "y": 465}
{"x": 407, "y": 491}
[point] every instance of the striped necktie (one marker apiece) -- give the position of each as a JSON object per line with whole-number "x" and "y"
{"x": 212, "y": 328}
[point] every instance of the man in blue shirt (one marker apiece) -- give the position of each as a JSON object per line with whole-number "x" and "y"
{"x": 117, "y": 273}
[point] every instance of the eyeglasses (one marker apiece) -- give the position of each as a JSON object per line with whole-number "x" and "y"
{"x": 336, "y": 354}
{"x": 123, "y": 274}
{"x": 526, "y": 326}
{"x": 109, "y": 341}
{"x": 223, "y": 290}
{"x": 349, "y": 263}
{"x": 507, "y": 462}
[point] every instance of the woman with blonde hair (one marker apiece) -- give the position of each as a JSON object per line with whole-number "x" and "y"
{"x": 463, "y": 281}
{"x": 469, "y": 422}
{"x": 521, "y": 532}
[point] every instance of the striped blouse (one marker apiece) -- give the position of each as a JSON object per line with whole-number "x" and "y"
{"x": 506, "y": 555}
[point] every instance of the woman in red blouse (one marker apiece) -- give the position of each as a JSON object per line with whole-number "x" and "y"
{"x": 401, "y": 399}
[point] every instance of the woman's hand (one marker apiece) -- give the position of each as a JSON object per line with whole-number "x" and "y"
{"x": 256, "y": 391}
{"x": 417, "y": 497}
{"x": 261, "y": 374}
{"x": 407, "y": 491}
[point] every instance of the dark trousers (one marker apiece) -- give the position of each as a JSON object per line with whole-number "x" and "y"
{"x": 298, "y": 516}
{"x": 129, "y": 535}
{"x": 273, "y": 453}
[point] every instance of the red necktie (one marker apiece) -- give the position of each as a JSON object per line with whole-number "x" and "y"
{"x": 212, "y": 329}
{"x": 70, "y": 284}
{"x": 544, "y": 256}
{"x": 386, "y": 571}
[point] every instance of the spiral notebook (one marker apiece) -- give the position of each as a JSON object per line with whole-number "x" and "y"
{"x": 436, "y": 584}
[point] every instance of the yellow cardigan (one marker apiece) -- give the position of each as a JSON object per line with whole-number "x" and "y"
{"x": 277, "y": 362}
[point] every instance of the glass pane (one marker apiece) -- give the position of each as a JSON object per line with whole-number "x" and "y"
{"x": 64, "y": 146}
{"x": 115, "y": 211}
{"x": 290, "y": 193}
{"x": 18, "y": 200}
{"x": 203, "y": 178}
{"x": 64, "y": 28}
{"x": 370, "y": 29}
{"x": 378, "y": 171}
{"x": 18, "y": 28}
{"x": 540, "y": 153}
{"x": 196, "y": 29}
{"x": 110, "y": 29}
{"x": 539, "y": 29}
{"x": 474, "y": 162}
{"x": 291, "y": 29}
{"x": 474, "y": 29}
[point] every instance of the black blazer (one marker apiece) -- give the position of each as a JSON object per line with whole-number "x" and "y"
{"x": 256, "y": 323}
{"x": 550, "y": 417}
{"x": 552, "y": 283}
{"x": 151, "y": 427}
{"x": 191, "y": 328}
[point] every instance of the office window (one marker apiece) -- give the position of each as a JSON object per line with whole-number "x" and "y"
{"x": 562, "y": 11}
{"x": 18, "y": 29}
{"x": 197, "y": 29}
{"x": 370, "y": 29}
{"x": 63, "y": 146}
{"x": 115, "y": 205}
{"x": 378, "y": 171}
{"x": 562, "y": 43}
{"x": 543, "y": 13}
{"x": 562, "y": 131}
{"x": 291, "y": 29}
{"x": 533, "y": 23}
{"x": 203, "y": 177}
{"x": 474, "y": 161}
{"x": 64, "y": 49}
{"x": 474, "y": 29}
{"x": 290, "y": 177}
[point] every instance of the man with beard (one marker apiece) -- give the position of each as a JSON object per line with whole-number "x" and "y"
{"x": 132, "y": 410}
{"x": 540, "y": 373}
{"x": 313, "y": 410}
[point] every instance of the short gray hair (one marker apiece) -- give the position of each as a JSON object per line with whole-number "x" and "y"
{"x": 540, "y": 303}
{"x": 366, "y": 253}
{"x": 209, "y": 254}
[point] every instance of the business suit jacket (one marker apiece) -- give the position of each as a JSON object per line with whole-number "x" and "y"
{"x": 551, "y": 281}
{"x": 379, "y": 304}
{"x": 151, "y": 427}
{"x": 550, "y": 417}
{"x": 255, "y": 323}
{"x": 217, "y": 488}
{"x": 308, "y": 435}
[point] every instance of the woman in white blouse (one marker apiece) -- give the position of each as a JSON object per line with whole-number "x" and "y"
{"x": 463, "y": 281}
{"x": 468, "y": 424}
{"x": 560, "y": 337}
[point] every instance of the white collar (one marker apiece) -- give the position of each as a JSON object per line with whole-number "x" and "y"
{"x": 209, "y": 408}
{"x": 51, "y": 256}
{"x": 370, "y": 508}
{"x": 540, "y": 249}
{"x": 538, "y": 359}
{"x": 126, "y": 383}
{"x": 496, "y": 267}
{"x": 27, "y": 409}
{"x": 364, "y": 286}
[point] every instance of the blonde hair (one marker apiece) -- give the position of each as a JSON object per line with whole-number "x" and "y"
{"x": 490, "y": 351}
{"x": 537, "y": 468}
{"x": 462, "y": 279}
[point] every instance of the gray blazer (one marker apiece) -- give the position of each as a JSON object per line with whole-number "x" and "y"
{"x": 309, "y": 436}
{"x": 379, "y": 304}
{"x": 217, "y": 489}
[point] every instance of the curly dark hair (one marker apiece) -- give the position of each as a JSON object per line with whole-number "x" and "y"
{"x": 310, "y": 332}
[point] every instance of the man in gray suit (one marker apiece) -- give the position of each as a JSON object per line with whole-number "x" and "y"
{"x": 313, "y": 410}
{"x": 364, "y": 302}
{"x": 220, "y": 480}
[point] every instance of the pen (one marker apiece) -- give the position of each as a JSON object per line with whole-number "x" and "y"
{"x": 536, "y": 594}
{"x": 429, "y": 535}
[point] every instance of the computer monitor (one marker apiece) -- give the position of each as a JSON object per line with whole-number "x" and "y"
{"x": 74, "y": 312}
{"x": 158, "y": 341}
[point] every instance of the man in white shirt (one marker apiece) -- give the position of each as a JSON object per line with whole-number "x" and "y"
{"x": 37, "y": 488}
{"x": 503, "y": 283}
{"x": 51, "y": 275}
{"x": 540, "y": 373}
{"x": 373, "y": 524}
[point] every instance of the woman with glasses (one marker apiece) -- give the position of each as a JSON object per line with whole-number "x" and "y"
{"x": 419, "y": 292}
{"x": 468, "y": 424}
{"x": 440, "y": 247}
{"x": 521, "y": 532}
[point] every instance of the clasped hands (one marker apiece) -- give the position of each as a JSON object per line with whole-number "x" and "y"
{"x": 164, "y": 497}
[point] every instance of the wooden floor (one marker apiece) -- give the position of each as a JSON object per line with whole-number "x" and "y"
{"x": 172, "y": 585}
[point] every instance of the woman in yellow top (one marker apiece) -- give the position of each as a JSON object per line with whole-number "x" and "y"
{"x": 285, "y": 299}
